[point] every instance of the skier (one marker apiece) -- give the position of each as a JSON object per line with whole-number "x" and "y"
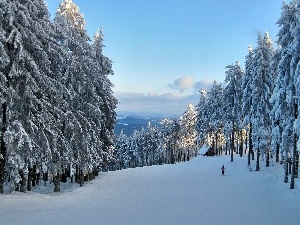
{"x": 223, "y": 170}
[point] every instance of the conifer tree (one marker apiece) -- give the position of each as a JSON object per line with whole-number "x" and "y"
{"x": 214, "y": 112}
{"x": 201, "y": 122}
{"x": 103, "y": 89}
{"x": 275, "y": 118}
{"x": 188, "y": 134}
{"x": 262, "y": 88}
{"x": 247, "y": 98}
{"x": 92, "y": 104}
{"x": 30, "y": 82}
{"x": 232, "y": 101}
{"x": 284, "y": 95}
{"x": 4, "y": 61}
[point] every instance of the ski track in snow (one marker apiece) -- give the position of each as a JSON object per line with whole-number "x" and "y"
{"x": 185, "y": 194}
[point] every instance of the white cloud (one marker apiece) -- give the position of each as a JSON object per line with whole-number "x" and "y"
{"x": 183, "y": 84}
{"x": 188, "y": 84}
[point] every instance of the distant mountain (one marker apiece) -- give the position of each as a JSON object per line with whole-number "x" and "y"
{"x": 130, "y": 121}
{"x": 146, "y": 115}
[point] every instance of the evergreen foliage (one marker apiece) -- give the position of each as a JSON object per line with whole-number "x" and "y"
{"x": 57, "y": 108}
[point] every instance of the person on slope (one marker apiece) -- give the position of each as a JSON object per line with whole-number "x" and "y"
{"x": 223, "y": 170}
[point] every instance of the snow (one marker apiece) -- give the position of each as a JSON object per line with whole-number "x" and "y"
{"x": 185, "y": 193}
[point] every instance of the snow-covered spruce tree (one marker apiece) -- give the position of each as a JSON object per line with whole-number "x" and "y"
{"x": 247, "y": 99}
{"x": 103, "y": 90}
{"x": 151, "y": 143}
{"x": 201, "y": 123}
{"x": 275, "y": 118}
{"x": 214, "y": 115}
{"x": 120, "y": 152}
{"x": 31, "y": 85}
{"x": 232, "y": 102}
{"x": 262, "y": 88}
{"x": 289, "y": 65}
{"x": 4, "y": 61}
{"x": 295, "y": 62}
{"x": 135, "y": 147}
{"x": 170, "y": 132}
{"x": 92, "y": 103}
{"x": 188, "y": 134}
{"x": 69, "y": 24}
{"x": 284, "y": 98}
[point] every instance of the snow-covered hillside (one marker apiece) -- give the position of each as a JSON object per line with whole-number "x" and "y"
{"x": 186, "y": 193}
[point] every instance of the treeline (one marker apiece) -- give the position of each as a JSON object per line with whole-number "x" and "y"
{"x": 57, "y": 111}
{"x": 258, "y": 106}
{"x": 175, "y": 141}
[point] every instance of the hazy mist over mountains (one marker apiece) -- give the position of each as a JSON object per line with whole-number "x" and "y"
{"x": 130, "y": 121}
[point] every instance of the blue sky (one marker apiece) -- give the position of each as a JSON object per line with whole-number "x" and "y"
{"x": 165, "y": 50}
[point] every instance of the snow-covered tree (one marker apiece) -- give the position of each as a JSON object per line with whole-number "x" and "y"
{"x": 233, "y": 102}
{"x": 92, "y": 104}
{"x": 295, "y": 51}
{"x": 30, "y": 81}
{"x": 57, "y": 108}
{"x": 170, "y": 134}
{"x": 247, "y": 98}
{"x": 103, "y": 89}
{"x": 284, "y": 98}
{"x": 262, "y": 88}
{"x": 4, "y": 62}
{"x": 214, "y": 114}
{"x": 275, "y": 118}
{"x": 201, "y": 123}
{"x": 121, "y": 148}
{"x": 188, "y": 134}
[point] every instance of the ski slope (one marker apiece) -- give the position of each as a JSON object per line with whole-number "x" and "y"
{"x": 185, "y": 194}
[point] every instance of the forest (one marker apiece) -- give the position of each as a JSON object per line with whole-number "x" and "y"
{"x": 58, "y": 111}
{"x": 254, "y": 112}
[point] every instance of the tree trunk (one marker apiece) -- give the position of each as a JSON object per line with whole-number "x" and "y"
{"x": 34, "y": 176}
{"x": 77, "y": 175}
{"x": 232, "y": 146}
{"x": 56, "y": 182}
{"x": 29, "y": 182}
{"x": 290, "y": 166}
{"x": 216, "y": 145}
{"x": 38, "y": 177}
{"x": 23, "y": 181}
{"x": 257, "y": 157}
{"x": 45, "y": 178}
{"x": 286, "y": 173}
{"x": 2, "y": 148}
{"x": 81, "y": 178}
{"x": 292, "y": 186}
{"x": 297, "y": 165}
{"x": 268, "y": 159}
{"x": 277, "y": 153}
{"x": 246, "y": 144}
{"x": 241, "y": 144}
{"x": 250, "y": 145}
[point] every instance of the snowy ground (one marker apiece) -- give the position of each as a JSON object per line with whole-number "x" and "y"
{"x": 186, "y": 193}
